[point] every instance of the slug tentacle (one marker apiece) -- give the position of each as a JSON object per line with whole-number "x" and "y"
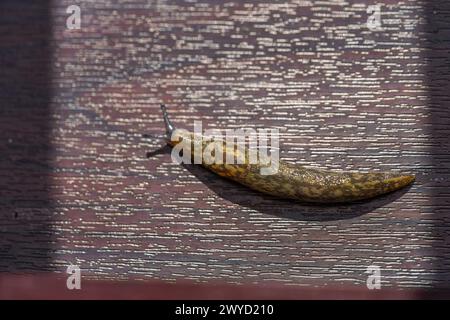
{"x": 291, "y": 181}
{"x": 169, "y": 126}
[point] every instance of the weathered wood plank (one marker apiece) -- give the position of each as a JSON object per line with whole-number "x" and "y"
{"x": 344, "y": 97}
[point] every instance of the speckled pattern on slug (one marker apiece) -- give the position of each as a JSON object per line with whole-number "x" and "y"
{"x": 297, "y": 182}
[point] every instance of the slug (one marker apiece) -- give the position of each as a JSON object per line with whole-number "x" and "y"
{"x": 291, "y": 181}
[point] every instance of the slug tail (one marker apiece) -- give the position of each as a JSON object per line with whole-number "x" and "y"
{"x": 381, "y": 183}
{"x": 363, "y": 186}
{"x": 395, "y": 182}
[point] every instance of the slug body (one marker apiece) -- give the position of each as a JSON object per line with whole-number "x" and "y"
{"x": 290, "y": 181}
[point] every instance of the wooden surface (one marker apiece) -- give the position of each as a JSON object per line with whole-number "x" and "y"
{"x": 29, "y": 287}
{"x": 80, "y": 184}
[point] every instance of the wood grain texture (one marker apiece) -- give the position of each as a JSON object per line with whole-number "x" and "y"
{"x": 344, "y": 97}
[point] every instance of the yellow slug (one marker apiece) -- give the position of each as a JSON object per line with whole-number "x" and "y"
{"x": 290, "y": 181}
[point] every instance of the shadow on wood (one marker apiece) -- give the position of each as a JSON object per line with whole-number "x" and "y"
{"x": 287, "y": 209}
{"x": 438, "y": 82}
{"x": 25, "y": 161}
{"x": 245, "y": 197}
